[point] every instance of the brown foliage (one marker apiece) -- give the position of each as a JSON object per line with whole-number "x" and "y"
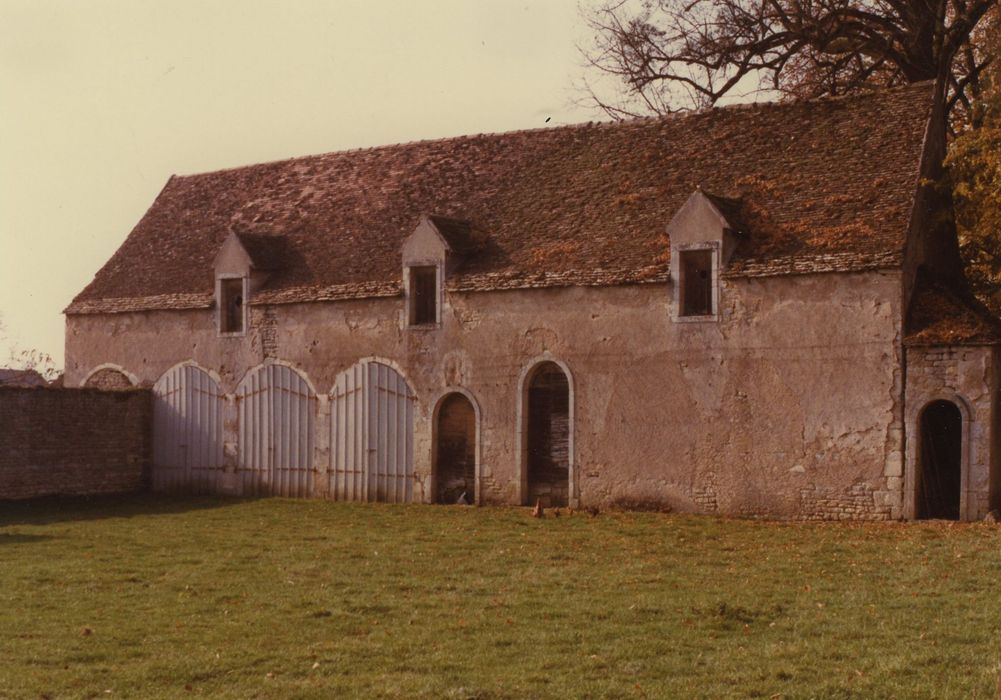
{"x": 974, "y": 166}
{"x": 671, "y": 54}
{"x": 667, "y": 55}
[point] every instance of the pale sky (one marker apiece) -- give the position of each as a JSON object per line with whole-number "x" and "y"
{"x": 101, "y": 101}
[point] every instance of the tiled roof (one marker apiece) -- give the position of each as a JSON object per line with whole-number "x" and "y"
{"x": 462, "y": 236}
{"x": 266, "y": 252}
{"x": 941, "y": 316}
{"x": 820, "y": 186}
{"x": 21, "y": 378}
{"x": 730, "y": 209}
{"x": 200, "y": 300}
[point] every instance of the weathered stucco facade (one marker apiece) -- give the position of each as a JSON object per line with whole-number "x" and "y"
{"x": 700, "y": 313}
{"x": 697, "y": 416}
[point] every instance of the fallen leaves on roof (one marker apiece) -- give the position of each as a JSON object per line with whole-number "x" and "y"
{"x": 821, "y": 186}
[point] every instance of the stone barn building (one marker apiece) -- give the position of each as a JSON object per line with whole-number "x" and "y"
{"x": 737, "y": 311}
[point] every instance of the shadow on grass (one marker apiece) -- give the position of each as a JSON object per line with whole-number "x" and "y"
{"x": 54, "y": 509}
{"x": 18, "y": 538}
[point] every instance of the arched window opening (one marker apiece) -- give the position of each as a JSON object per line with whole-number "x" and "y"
{"x": 108, "y": 379}
{"x": 548, "y": 443}
{"x": 455, "y": 451}
{"x": 940, "y": 472}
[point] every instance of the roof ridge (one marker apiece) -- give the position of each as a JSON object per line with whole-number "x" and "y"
{"x": 672, "y": 116}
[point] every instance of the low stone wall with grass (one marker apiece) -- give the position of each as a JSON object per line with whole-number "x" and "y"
{"x": 73, "y": 441}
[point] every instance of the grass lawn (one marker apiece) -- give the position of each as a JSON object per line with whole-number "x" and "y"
{"x": 148, "y": 597}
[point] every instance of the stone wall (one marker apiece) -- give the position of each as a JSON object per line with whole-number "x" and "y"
{"x": 967, "y": 376}
{"x": 789, "y": 405}
{"x": 72, "y": 441}
{"x": 856, "y": 502}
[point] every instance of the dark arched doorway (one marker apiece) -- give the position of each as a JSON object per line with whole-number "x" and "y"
{"x": 548, "y": 436}
{"x": 940, "y": 472}
{"x": 455, "y": 451}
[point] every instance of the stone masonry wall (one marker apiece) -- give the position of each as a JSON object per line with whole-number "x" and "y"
{"x": 72, "y": 441}
{"x": 856, "y": 502}
{"x": 966, "y": 376}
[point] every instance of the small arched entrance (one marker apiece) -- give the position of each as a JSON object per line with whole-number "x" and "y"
{"x": 548, "y": 436}
{"x": 455, "y": 451}
{"x": 940, "y": 470}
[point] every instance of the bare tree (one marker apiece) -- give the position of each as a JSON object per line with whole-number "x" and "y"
{"x": 673, "y": 54}
{"x": 27, "y": 359}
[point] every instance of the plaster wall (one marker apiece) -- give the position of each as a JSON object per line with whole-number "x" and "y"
{"x": 788, "y": 406}
{"x": 966, "y": 376}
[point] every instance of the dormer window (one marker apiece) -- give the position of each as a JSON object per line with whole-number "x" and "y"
{"x": 704, "y": 234}
{"x": 696, "y": 285}
{"x": 231, "y": 305}
{"x": 242, "y": 267}
{"x": 423, "y": 295}
{"x": 430, "y": 254}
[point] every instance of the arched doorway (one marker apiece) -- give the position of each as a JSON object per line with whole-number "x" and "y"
{"x": 940, "y": 467}
{"x": 455, "y": 450}
{"x": 548, "y": 436}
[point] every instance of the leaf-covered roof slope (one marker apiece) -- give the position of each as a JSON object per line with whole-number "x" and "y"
{"x": 939, "y": 315}
{"x": 822, "y": 186}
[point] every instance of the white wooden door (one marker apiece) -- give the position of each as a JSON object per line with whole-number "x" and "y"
{"x": 277, "y": 410}
{"x": 187, "y": 431}
{"x": 372, "y": 435}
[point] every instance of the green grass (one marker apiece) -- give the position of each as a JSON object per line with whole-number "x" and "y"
{"x": 149, "y": 597}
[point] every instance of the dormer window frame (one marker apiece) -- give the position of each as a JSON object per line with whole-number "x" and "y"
{"x": 409, "y": 298}
{"x": 221, "y": 305}
{"x": 678, "y": 282}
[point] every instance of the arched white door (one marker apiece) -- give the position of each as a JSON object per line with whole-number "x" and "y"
{"x": 277, "y": 411}
{"x": 187, "y": 431}
{"x": 372, "y": 435}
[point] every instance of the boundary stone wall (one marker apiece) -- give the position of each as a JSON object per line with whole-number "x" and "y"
{"x": 56, "y": 441}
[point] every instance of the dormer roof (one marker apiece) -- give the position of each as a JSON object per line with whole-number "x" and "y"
{"x": 822, "y": 186}
{"x": 249, "y": 253}
{"x": 704, "y": 211}
{"x": 728, "y": 208}
{"x": 462, "y": 237}
{"x": 266, "y": 252}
